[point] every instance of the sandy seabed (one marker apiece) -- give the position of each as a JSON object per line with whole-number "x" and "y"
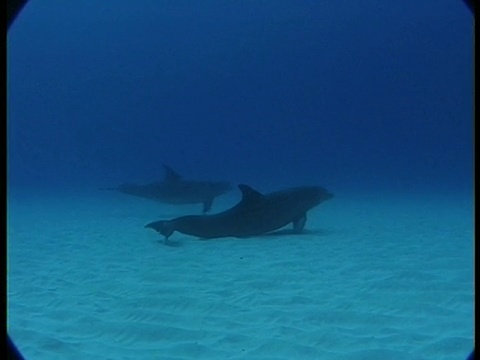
{"x": 376, "y": 276}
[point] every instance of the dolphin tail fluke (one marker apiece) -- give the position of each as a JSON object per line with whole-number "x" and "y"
{"x": 163, "y": 227}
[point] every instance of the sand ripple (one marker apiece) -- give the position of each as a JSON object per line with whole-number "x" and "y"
{"x": 89, "y": 284}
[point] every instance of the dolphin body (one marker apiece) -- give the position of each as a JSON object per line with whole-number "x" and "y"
{"x": 255, "y": 214}
{"x": 174, "y": 190}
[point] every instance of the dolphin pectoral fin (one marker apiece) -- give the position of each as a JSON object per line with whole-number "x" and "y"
{"x": 299, "y": 223}
{"x": 207, "y": 205}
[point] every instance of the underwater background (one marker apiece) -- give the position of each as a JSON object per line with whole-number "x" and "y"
{"x": 358, "y": 95}
{"x": 371, "y": 99}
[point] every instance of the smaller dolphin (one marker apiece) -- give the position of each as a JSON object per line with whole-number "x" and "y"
{"x": 255, "y": 214}
{"x": 174, "y": 190}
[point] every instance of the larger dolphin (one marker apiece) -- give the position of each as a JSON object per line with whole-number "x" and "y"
{"x": 255, "y": 214}
{"x": 175, "y": 190}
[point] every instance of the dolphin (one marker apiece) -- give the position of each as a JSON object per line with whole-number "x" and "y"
{"x": 255, "y": 214}
{"x": 174, "y": 190}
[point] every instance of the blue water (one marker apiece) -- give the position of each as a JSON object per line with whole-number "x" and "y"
{"x": 347, "y": 95}
{"x": 369, "y": 97}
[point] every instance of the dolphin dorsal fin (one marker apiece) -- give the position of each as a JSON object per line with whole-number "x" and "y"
{"x": 249, "y": 193}
{"x": 170, "y": 174}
